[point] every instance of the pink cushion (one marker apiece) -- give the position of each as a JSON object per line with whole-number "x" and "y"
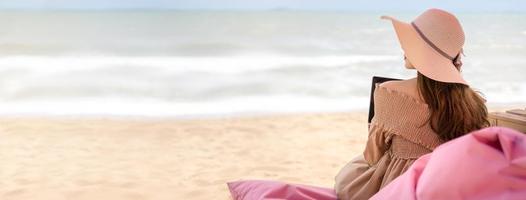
{"x": 263, "y": 189}
{"x": 487, "y": 164}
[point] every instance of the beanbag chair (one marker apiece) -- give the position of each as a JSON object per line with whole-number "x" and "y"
{"x": 487, "y": 164}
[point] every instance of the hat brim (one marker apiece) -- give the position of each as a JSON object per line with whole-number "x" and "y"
{"x": 424, "y": 58}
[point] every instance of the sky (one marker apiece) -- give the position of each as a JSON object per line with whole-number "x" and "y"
{"x": 322, "y": 5}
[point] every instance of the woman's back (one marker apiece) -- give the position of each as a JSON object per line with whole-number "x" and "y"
{"x": 398, "y": 135}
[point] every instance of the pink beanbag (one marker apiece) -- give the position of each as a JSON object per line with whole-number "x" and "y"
{"x": 487, "y": 164}
{"x": 263, "y": 189}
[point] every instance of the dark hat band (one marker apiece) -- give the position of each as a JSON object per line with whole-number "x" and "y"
{"x": 431, "y": 43}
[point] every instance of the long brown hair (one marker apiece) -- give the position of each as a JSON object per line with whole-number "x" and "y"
{"x": 455, "y": 109}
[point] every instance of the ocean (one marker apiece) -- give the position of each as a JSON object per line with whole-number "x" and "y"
{"x": 217, "y": 63}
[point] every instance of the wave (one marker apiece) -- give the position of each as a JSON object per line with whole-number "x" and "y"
{"x": 220, "y": 85}
{"x": 218, "y": 64}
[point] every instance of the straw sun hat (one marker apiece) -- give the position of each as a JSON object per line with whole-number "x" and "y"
{"x": 431, "y": 42}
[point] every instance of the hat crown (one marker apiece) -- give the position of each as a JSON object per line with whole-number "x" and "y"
{"x": 442, "y": 29}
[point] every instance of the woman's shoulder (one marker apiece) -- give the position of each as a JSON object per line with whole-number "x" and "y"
{"x": 393, "y": 99}
{"x": 403, "y": 113}
{"x": 406, "y": 87}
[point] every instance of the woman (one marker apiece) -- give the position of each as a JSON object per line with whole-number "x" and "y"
{"x": 413, "y": 117}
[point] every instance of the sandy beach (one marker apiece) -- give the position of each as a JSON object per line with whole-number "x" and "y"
{"x": 153, "y": 158}
{"x": 152, "y": 100}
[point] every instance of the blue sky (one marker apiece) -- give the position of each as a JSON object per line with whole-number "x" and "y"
{"x": 345, "y": 5}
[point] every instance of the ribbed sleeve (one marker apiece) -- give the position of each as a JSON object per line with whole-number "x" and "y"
{"x": 403, "y": 115}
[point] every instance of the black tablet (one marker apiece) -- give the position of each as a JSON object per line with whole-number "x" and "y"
{"x": 376, "y": 79}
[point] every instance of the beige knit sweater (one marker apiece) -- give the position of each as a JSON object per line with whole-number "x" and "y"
{"x": 398, "y": 135}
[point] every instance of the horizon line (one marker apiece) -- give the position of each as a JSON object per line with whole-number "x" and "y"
{"x": 249, "y": 10}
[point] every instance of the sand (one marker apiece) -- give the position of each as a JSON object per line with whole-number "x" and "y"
{"x": 155, "y": 158}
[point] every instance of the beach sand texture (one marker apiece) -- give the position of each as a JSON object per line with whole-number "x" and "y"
{"x": 147, "y": 158}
